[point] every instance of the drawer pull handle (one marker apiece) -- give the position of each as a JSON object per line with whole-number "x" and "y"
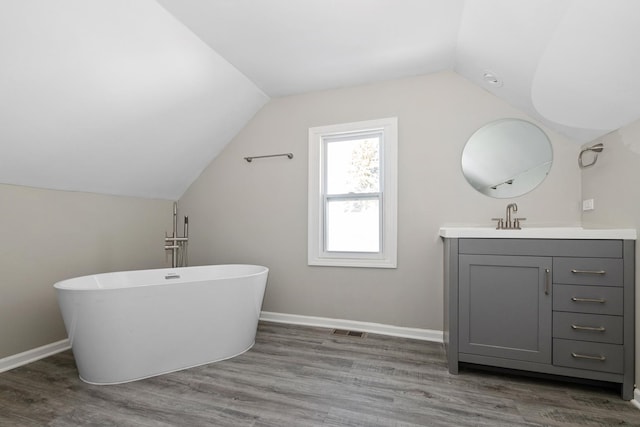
{"x": 574, "y": 271}
{"x": 589, "y": 328}
{"x": 586, "y": 356}
{"x": 598, "y": 300}
{"x": 547, "y": 281}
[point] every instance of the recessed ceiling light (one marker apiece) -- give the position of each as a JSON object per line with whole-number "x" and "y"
{"x": 492, "y": 79}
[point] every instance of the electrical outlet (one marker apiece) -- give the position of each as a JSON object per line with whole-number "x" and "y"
{"x": 588, "y": 205}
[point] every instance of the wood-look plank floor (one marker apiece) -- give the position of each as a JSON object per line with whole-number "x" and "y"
{"x": 302, "y": 376}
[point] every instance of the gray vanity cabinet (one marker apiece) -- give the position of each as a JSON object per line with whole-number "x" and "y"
{"x": 551, "y": 306}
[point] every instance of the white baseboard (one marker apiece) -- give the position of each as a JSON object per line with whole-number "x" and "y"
{"x": 32, "y": 355}
{"x": 374, "y": 328}
{"x": 636, "y": 398}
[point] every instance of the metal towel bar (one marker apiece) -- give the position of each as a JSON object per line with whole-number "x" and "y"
{"x": 249, "y": 159}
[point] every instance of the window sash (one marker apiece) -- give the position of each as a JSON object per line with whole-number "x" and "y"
{"x": 350, "y": 136}
{"x": 352, "y": 197}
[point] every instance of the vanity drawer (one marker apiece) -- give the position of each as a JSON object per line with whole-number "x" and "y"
{"x": 588, "y": 355}
{"x": 588, "y": 271}
{"x": 588, "y": 327}
{"x": 588, "y": 299}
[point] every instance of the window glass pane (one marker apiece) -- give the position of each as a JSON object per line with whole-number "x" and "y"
{"x": 353, "y": 165}
{"x": 352, "y": 226}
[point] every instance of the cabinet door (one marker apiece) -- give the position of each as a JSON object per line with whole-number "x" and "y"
{"x": 505, "y": 307}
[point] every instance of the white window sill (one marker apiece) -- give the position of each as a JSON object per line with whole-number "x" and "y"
{"x": 352, "y": 262}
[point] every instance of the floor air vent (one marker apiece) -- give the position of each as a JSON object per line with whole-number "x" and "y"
{"x": 346, "y": 333}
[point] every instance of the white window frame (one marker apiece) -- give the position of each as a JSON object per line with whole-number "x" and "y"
{"x": 387, "y": 256}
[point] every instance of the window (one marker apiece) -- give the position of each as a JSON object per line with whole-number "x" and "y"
{"x": 353, "y": 194}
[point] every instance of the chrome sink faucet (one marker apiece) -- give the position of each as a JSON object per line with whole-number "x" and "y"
{"x": 507, "y": 216}
{"x": 507, "y": 223}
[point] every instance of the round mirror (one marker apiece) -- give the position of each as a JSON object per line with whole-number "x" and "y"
{"x": 507, "y": 158}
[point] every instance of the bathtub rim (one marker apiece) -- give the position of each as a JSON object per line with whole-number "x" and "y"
{"x": 66, "y": 284}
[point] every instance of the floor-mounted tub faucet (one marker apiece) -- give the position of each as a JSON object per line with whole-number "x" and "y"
{"x": 177, "y": 245}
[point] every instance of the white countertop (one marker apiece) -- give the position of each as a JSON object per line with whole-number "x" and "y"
{"x": 539, "y": 233}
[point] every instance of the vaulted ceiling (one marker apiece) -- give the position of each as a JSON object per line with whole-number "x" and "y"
{"x": 137, "y": 97}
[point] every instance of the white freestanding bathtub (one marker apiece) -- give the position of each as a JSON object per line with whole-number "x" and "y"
{"x": 130, "y": 325}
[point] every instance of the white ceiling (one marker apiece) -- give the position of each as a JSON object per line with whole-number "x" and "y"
{"x": 137, "y": 97}
{"x": 295, "y": 46}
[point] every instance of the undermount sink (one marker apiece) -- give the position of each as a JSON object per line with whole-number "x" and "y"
{"x": 539, "y": 233}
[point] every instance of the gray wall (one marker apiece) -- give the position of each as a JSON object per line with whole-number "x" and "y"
{"x": 257, "y": 212}
{"x": 52, "y": 235}
{"x": 614, "y": 184}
